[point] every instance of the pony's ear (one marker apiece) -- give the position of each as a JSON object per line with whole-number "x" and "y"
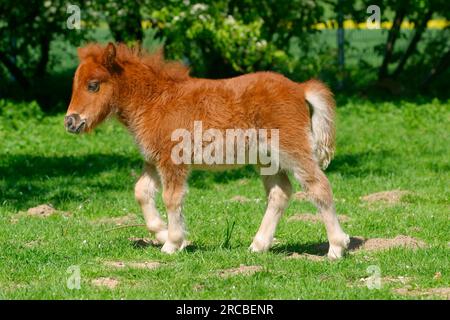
{"x": 109, "y": 56}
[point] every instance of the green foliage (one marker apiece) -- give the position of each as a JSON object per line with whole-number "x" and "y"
{"x": 26, "y": 30}
{"x": 224, "y": 38}
{"x": 123, "y": 18}
{"x": 20, "y": 111}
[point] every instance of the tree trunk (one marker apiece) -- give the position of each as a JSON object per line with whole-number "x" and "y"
{"x": 413, "y": 44}
{"x": 392, "y": 38}
{"x": 15, "y": 71}
{"x": 440, "y": 67}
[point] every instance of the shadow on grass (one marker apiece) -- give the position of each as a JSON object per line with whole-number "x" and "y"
{"x": 145, "y": 244}
{"x": 203, "y": 179}
{"x": 356, "y": 164}
{"x": 15, "y": 167}
{"x": 29, "y": 180}
{"x": 319, "y": 249}
{"x": 350, "y": 164}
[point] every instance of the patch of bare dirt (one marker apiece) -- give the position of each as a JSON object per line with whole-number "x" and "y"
{"x": 41, "y": 211}
{"x": 315, "y": 218}
{"x": 441, "y": 293}
{"x": 300, "y": 196}
{"x": 391, "y": 197}
{"x": 241, "y": 270}
{"x": 377, "y": 244}
{"x": 133, "y": 264}
{"x": 307, "y": 256}
{"x": 118, "y": 221}
{"x": 109, "y": 283}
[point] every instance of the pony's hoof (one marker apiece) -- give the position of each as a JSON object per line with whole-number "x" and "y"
{"x": 337, "y": 251}
{"x": 259, "y": 246}
{"x": 170, "y": 248}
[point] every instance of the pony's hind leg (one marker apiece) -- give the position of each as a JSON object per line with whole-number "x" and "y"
{"x": 319, "y": 192}
{"x": 278, "y": 189}
{"x": 145, "y": 192}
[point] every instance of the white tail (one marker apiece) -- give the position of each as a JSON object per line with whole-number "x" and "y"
{"x": 321, "y": 99}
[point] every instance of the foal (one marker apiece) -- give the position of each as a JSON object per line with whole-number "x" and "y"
{"x": 153, "y": 98}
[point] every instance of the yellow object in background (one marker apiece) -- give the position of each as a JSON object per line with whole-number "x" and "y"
{"x": 350, "y": 24}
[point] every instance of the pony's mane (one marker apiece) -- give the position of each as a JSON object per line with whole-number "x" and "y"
{"x": 172, "y": 70}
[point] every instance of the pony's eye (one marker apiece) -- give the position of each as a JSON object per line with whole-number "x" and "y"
{"x": 93, "y": 86}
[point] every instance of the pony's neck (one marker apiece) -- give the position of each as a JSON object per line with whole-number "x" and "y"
{"x": 139, "y": 88}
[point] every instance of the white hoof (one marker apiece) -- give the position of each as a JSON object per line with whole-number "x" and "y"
{"x": 170, "y": 247}
{"x": 338, "y": 249}
{"x": 259, "y": 245}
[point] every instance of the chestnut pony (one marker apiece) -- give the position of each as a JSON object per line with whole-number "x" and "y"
{"x": 152, "y": 98}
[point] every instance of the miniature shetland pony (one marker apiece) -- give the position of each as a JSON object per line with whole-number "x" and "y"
{"x": 153, "y": 97}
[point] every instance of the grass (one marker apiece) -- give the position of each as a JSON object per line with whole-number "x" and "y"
{"x": 385, "y": 146}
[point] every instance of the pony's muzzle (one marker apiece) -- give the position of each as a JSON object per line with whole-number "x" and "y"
{"x": 74, "y": 123}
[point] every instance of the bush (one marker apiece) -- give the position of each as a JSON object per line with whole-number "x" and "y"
{"x": 18, "y": 111}
{"x": 226, "y": 38}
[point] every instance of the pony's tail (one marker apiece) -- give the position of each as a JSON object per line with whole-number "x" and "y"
{"x": 319, "y": 96}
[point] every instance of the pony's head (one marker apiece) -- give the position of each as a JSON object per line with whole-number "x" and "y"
{"x": 94, "y": 88}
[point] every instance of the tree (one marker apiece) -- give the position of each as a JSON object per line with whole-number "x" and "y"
{"x": 26, "y": 31}
{"x": 419, "y": 13}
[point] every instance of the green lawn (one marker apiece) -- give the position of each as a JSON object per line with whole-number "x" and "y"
{"x": 90, "y": 179}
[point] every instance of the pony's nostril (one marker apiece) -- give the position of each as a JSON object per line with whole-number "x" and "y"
{"x": 74, "y": 123}
{"x": 69, "y": 121}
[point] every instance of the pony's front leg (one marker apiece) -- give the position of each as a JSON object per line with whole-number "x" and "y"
{"x": 174, "y": 189}
{"x": 145, "y": 192}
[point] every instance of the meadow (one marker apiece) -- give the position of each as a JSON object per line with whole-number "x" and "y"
{"x": 401, "y": 238}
